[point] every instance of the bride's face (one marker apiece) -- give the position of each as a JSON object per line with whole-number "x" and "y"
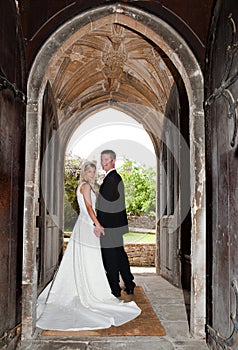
{"x": 89, "y": 174}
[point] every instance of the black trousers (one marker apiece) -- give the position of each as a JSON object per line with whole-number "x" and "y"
{"x": 116, "y": 262}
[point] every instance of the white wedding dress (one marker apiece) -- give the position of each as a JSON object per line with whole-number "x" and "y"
{"x": 80, "y": 297}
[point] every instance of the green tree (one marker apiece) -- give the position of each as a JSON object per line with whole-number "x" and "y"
{"x": 140, "y": 191}
{"x": 73, "y": 166}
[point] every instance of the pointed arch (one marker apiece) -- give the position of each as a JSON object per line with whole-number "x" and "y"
{"x": 186, "y": 64}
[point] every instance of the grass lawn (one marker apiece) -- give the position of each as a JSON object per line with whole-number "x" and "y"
{"x": 134, "y": 237}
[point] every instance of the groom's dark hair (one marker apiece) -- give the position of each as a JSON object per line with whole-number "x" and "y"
{"x": 109, "y": 151}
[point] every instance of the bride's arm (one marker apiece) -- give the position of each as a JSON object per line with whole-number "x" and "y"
{"x": 86, "y": 192}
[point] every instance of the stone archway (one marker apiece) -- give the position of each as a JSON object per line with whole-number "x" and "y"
{"x": 178, "y": 52}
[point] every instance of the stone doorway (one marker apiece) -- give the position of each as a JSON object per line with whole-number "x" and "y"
{"x": 98, "y": 45}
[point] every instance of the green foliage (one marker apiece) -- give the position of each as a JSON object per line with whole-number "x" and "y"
{"x": 139, "y": 184}
{"x": 73, "y": 166}
{"x": 140, "y": 191}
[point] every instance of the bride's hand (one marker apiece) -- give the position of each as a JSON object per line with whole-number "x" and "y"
{"x": 99, "y": 231}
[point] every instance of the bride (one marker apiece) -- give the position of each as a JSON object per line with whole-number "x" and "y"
{"x": 79, "y": 298}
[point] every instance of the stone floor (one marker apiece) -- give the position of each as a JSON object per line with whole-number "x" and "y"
{"x": 168, "y": 303}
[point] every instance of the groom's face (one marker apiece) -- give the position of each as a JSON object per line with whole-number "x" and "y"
{"x": 107, "y": 162}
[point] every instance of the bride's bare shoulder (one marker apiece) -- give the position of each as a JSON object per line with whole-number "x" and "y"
{"x": 84, "y": 187}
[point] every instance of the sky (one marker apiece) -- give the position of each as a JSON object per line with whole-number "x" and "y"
{"x": 112, "y": 129}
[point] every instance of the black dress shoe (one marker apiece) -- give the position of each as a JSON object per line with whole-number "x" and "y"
{"x": 130, "y": 290}
{"x": 117, "y": 294}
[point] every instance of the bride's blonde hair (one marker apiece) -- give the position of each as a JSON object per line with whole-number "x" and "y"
{"x": 84, "y": 168}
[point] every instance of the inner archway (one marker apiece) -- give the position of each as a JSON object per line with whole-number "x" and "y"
{"x": 136, "y": 162}
{"x": 111, "y": 124}
{"x": 128, "y": 89}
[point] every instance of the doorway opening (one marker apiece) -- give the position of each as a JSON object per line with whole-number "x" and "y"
{"x": 130, "y": 70}
{"x": 136, "y": 163}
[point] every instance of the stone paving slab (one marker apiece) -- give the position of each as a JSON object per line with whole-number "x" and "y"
{"x": 190, "y": 345}
{"x": 134, "y": 343}
{"x": 177, "y": 330}
{"x": 168, "y": 303}
{"x": 137, "y": 343}
{"x": 175, "y": 312}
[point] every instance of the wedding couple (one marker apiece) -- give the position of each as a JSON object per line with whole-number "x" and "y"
{"x": 84, "y": 294}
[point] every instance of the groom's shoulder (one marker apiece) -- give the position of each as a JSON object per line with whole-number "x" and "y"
{"x": 117, "y": 177}
{"x": 113, "y": 176}
{"x": 111, "y": 173}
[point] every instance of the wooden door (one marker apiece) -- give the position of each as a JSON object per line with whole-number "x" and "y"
{"x": 169, "y": 230}
{"x": 222, "y": 177}
{"x": 12, "y": 166}
{"x": 174, "y": 194}
{"x": 50, "y": 233}
{"x": 169, "y": 194}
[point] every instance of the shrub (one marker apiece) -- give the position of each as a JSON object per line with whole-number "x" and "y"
{"x": 73, "y": 166}
{"x": 140, "y": 191}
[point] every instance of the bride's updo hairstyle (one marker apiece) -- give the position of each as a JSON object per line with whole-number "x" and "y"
{"x": 85, "y": 167}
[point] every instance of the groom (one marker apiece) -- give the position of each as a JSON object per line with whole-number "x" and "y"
{"x": 111, "y": 214}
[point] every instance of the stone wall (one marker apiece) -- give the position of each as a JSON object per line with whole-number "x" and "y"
{"x": 141, "y": 254}
{"x": 142, "y": 221}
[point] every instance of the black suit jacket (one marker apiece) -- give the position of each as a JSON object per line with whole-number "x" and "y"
{"x": 111, "y": 211}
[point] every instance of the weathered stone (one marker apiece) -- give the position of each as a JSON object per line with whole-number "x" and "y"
{"x": 141, "y": 254}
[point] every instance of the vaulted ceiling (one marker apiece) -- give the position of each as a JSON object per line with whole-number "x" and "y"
{"x": 109, "y": 63}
